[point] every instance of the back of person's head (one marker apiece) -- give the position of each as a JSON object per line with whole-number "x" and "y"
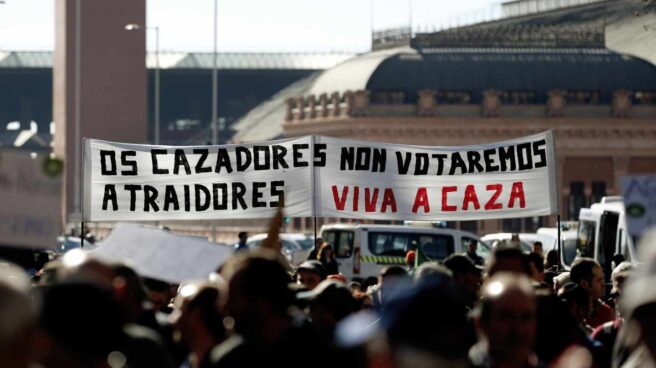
{"x": 551, "y": 259}
{"x": 243, "y": 236}
{"x": 129, "y": 289}
{"x": 260, "y": 278}
{"x": 508, "y": 260}
{"x": 431, "y": 269}
{"x": 392, "y": 271}
{"x": 557, "y": 329}
{"x": 324, "y": 251}
{"x": 368, "y": 283}
{"x": 82, "y": 320}
{"x": 582, "y": 269}
{"x": 17, "y": 317}
{"x": 207, "y": 300}
{"x": 536, "y": 265}
{"x": 428, "y": 317}
{"x": 576, "y": 299}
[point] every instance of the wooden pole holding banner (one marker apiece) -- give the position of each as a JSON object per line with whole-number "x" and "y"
{"x": 313, "y": 181}
{"x": 560, "y": 244}
{"x": 81, "y": 195}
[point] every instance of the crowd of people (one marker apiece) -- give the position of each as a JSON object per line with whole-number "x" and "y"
{"x": 514, "y": 310}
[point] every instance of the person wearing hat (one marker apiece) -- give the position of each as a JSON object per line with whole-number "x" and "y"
{"x": 310, "y": 274}
{"x": 329, "y": 303}
{"x": 466, "y": 276}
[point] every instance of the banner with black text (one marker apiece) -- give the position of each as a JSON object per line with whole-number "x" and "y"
{"x": 323, "y": 177}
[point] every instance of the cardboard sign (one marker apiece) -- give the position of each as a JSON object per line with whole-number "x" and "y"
{"x": 162, "y": 255}
{"x": 323, "y": 177}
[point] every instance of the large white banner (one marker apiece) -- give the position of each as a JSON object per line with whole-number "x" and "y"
{"x": 323, "y": 177}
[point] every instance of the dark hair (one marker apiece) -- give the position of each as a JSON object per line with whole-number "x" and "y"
{"x": 368, "y": 282}
{"x": 324, "y": 247}
{"x": 582, "y": 269}
{"x": 206, "y": 301}
{"x": 242, "y": 234}
{"x": 536, "y": 260}
{"x": 552, "y": 258}
{"x": 393, "y": 271}
{"x": 263, "y": 279}
{"x": 574, "y": 294}
{"x": 508, "y": 254}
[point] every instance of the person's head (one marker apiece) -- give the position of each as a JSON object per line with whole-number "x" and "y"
{"x": 514, "y": 241}
{"x": 257, "y": 292}
{"x": 82, "y": 323}
{"x": 310, "y": 274}
{"x": 197, "y": 317}
{"x": 391, "y": 273}
{"x": 17, "y": 317}
{"x": 330, "y": 302}
{"x": 427, "y": 321}
{"x": 537, "y": 247}
{"x": 471, "y": 247}
{"x": 577, "y": 301}
{"x": 561, "y": 280}
{"x": 243, "y": 237}
{"x": 368, "y": 283}
{"x": 536, "y": 266}
{"x": 410, "y": 258}
{"x": 619, "y": 276}
{"x": 318, "y": 242}
{"x": 506, "y": 317}
{"x": 552, "y": 259}
{"x": 129, "y": 290}
{"x": 325, "y": 253}
{"x": 465, "y": 275}
{"x": 159, "y": 293}
{"x": 588, "y": 274}
{"x": 508, "y": 260}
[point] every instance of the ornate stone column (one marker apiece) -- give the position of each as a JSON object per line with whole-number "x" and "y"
{"x": 335, "y": 101}
{"x": 300, "y": 109}
{"x": 556, "y": 103}
{"x": 360, "y": 106}
{"x": 323, "y": 103}
{"x": 491, "y": 103}
{"x": 312, "y": 104}
{"x": 426, "y": 105}
{"x": 621, "y": 104}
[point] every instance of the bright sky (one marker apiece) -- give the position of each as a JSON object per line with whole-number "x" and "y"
{"x": 254, "y": 25}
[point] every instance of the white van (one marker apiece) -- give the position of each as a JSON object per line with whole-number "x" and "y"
{"x": 363, "y": 250}
{"x": 603, "y": 233}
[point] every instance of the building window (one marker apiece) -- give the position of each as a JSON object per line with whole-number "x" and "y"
{"x": 576, "y": 199}
{"x": 598, "y": 191}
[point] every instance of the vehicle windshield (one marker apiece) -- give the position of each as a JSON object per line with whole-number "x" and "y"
{"x": 586, "y": 239}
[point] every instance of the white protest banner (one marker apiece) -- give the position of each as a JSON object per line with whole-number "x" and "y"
{"x": 324, "y": 177}
{"x": 371, "y": 180}
{"x": 162, "y": 255}
{"x": 639, "y": 192}
{"x": 125, "y": 182}
{"x": 30, "y": 215}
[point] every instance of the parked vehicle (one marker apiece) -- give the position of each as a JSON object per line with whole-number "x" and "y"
{"x": 602, "y": 233}
{"x": 526, "y": 240}
{"x": 363, "y": 250}
{"x": 291, "y": 244}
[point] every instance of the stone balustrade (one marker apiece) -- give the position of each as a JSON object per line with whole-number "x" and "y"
{"x": 357, "y": 104}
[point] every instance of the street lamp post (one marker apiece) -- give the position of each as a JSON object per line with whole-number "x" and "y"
{"x": 132, "y": 27}
{"x": 215, "y": 82}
